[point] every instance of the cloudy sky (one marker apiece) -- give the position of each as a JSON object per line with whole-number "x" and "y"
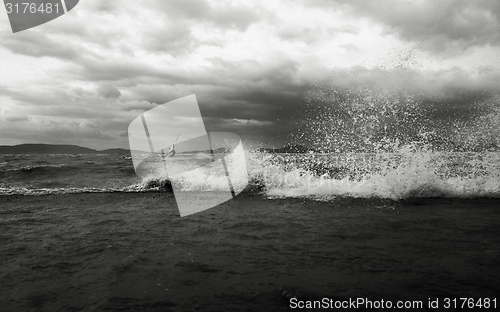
{"x": 82, "y": 78}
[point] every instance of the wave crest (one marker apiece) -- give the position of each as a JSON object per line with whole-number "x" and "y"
{"x": 384, "y": 175}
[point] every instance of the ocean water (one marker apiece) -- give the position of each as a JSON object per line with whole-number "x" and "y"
{"x": 39, "y": 174}
{"x": 395, "y": 175}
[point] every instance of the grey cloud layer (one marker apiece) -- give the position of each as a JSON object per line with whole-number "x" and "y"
{"x": 445, "y": 26}
{"x": 259, "y": 97}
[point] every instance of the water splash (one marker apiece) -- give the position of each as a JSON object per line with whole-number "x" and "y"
{"x": 378, "y": 120}
{"x": 400, "y": 175}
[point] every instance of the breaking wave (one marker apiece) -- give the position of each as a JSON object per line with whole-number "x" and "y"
{"x": 384, "y": 175}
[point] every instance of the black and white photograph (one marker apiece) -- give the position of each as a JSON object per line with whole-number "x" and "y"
{"x": 268, "y": 155}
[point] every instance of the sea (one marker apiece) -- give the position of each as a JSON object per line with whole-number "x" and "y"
{"x": 359, "y": 143}
{"x": 393, "y": 175}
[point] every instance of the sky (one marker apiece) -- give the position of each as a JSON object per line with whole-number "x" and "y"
{"x": 83, "y": 77}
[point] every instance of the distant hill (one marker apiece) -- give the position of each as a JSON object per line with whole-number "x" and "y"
{"x": 114, "y": 151}
{"x": 56, "y": 149}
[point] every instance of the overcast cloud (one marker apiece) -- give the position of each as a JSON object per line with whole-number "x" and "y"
{"x": 82, "y": 78}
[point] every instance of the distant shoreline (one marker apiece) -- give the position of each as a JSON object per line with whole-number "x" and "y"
{"x": 57, "y": 149}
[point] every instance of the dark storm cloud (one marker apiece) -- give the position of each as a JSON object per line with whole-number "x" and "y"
{"x": 250, "y": 98}
{"x": 265, "y": 113}
{"x": 254, "y": 103}
{"x": 244, "y": 82}
{"x": 232, "y": 81}
{"x": 450, "y": 26}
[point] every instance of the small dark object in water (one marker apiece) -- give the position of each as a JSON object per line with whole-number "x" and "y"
{"x": 162, "y": 185}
